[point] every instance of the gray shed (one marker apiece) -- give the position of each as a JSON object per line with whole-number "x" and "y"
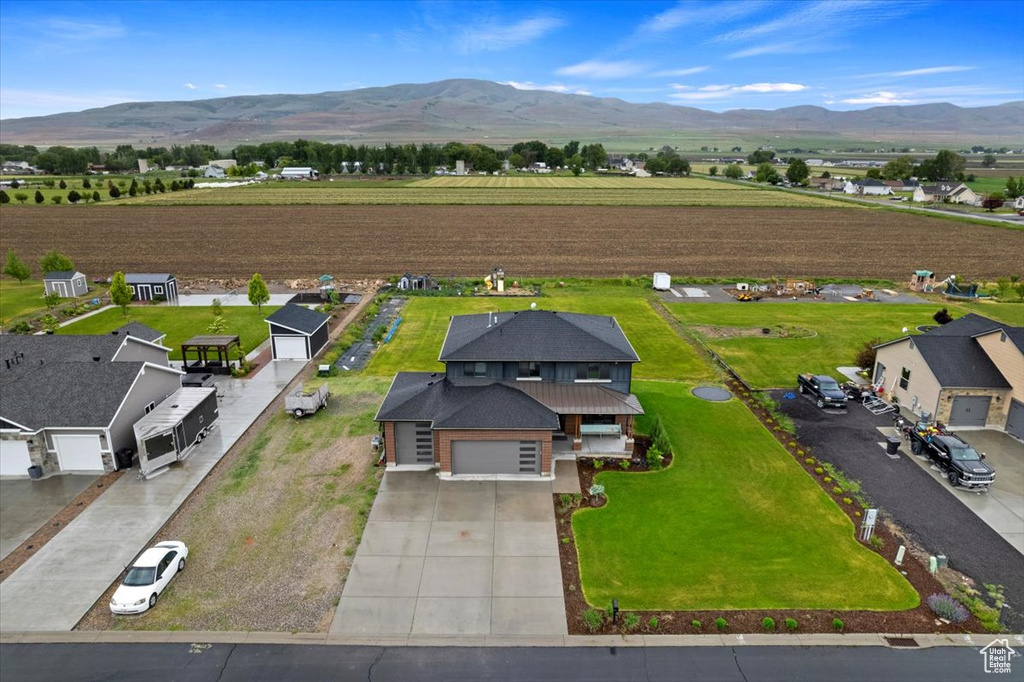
{"x": 65, "y": 283}
{"x": 152, "y": 286}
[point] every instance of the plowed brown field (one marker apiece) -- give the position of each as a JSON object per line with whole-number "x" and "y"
{"x": 556, "y": 241}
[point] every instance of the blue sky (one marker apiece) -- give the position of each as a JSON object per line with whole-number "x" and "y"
{"x": 763, "y": 54}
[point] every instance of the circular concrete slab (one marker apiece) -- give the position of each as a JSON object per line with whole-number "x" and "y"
{"x": 712, "y": 393}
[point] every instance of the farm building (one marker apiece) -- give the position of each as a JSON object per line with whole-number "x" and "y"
{"x": 214, "y": 172}
{"x": 297, "y": 333}
{"x": 71, "y": 402}
{"x": 969, "y": 372}
{"x": 150, "y": 286}
{"x": 299, "y": 173}
{"x": 65, "y": 283}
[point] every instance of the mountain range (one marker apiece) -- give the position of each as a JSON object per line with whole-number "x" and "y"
{"x": 484, "y": 111}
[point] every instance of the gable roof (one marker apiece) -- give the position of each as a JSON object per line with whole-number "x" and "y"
{"x": 147, "y": 277}
{"x": 536, "y": 335}
{"x": 428, "y": 396}
{"x": 298, "y": 318}
{"x": 970, "y": 324}
{"x": 61, "y": 274}
{"x": 139, "y": 331}
{"x": 869, "y": 182}
{"x": 1015, "y": 334}
{"x": 941, "y": 189}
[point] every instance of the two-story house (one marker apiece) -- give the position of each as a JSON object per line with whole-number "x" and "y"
{"x": 519, "y": 389}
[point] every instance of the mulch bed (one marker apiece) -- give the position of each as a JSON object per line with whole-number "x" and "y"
{"x": 918, "y": 620}
{"x": 37, "y": 540}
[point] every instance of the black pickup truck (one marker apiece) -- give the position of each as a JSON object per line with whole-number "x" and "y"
{"x": 961, "y": 463}
{"x": 824, "y": 388}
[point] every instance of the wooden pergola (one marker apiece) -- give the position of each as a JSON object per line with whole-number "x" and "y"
{"x": 212, "y": 351}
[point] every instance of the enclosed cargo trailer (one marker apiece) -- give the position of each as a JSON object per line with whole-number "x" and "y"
{"x": 170, "y": 431}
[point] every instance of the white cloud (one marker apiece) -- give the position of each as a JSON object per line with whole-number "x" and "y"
{"x": 221, "y": 86}
{"x": 688, "y": 14}
{"x": 603, "y": 70}
{"x": 688, "y": 92}
{"x": 493, "y": 36}
{"x": 679, "y": 73}
{"x": 190, "y": 86}
{"x": 71, "y": 29}
{"x": 772, "y": 48}
{"x": 929, "y": 71}
{"x": 528, "y": 85}
{"x": 771, "y": 87}
{"x": 880, "y": 97}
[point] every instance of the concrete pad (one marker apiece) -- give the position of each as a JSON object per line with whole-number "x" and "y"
{"x": 521, "y": 487}
{"x": 384, "y": 576}
{"x": 374, "y": 615}
{"x": 528, "y": 616}
{"x": 468, "y": 505}
{"x": 395, "y": 538}
{"x": 525, "y": 539}
{"x": 455, "y": 538}
{"x": 511, "y": 506}
{"x": 402, "y": 507}
{"x": 409, "y": 482}
{"x": 567, "y": 477}
{"x": 452, "y": 616}
{"x": 25, "y": 505}
{"x": 527, "y": 577}
{"x": 456, "y": 577}
{"x": 45, "y": 604}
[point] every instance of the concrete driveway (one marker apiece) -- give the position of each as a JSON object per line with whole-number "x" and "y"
{"x": 25, "y": 505}
{"x": 455, "y": 558}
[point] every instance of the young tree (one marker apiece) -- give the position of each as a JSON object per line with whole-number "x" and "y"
{"x": 218, "y": 325}
{"x": 54, "y": 261}
{"x": 56, "y": 198}
{"x": 114, "y": 192}
{"x": 63, "y": 185}
{"x": 874, "y": 174}
{"x": 258, "y": 293}
{"x": 96, "y": 196}
{"x": 52, "y": 300}
{"x": 120, "y": 293}
{"x": 797, "y": 173}
{"x": 86, "y": 184}
{"x": 216, "y": 308}
{"x": 21, "y": 197}
{"x": 15, "y": 184}
{"x": 4, "y": 198}
{"x": 74, "y": 197}
{"x": 16, "y": 267}
{"x": 713, "y": 171}
{"x": 826, "y": 175}
{"x": 133, "y": 190}
{"x": 39, "y": 197}
{"x": 1014, "y": 187}
{"x": 733, "y": 171}
{"x": 766, "y": 173}
{"x": 989, "y": 161}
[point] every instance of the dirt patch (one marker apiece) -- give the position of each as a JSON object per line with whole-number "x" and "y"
{"x": 775, "y": 331}
{"x": 60, "y": 520}
{"x": 549, "y": 241}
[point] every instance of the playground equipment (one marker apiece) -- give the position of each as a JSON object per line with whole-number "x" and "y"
{"x": 495, "y": 281}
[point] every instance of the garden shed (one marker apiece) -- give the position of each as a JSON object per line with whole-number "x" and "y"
{"x": 65, "y": 283}
{"x": 297, "y": 333}
{"x": 152, "y": 286}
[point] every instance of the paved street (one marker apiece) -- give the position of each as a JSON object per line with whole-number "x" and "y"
{"x": 57, "y": 586}
{"x": 455, "y": 558}
{"x": 198, "y": 662}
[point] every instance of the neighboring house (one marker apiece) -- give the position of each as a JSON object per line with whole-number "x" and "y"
{"x": 1018, "y": 203}
{"x": 867, "y": 187}
{"x": 214, "y": 172}
{"x": 224, "y": 163}
{"x": 152, "y": 286}
{"x": 827, "y": 183}
{"x": 947, "y": 193}
{"x": 69, "y": 402}
{"x": 65, "y": 283}
{"x": 299, "y": 173}
{"x": 969, "y": 372}
{"x": 409, "y": 282}
{"x": 519, "y": 389}
{"x": 297, "y": 333}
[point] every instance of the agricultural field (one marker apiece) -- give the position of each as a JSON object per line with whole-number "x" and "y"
{"x": 527, "y": 241}
{"x": 565, "y": 182}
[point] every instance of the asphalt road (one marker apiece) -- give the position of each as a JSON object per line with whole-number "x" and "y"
{"x": 275, "y": 663}
{"x": 907, "y": 493}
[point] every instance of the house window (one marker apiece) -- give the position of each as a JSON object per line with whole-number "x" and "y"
{"x": 905, "y": 378}
{"x": 529, "y": 370}
{"x": 475, "y": 369}
{"x": 150, "y": 407}
{"x": 158, "y": 289}
{"x": 592, "y": 370}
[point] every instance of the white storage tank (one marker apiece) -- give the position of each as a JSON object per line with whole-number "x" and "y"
{"x": 662, "y": 282}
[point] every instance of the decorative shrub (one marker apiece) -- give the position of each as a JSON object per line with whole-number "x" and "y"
{"x": 599, "y": 464}
{"x": 837, "y": 490}
{"x": 800, "y": 453}
{"x": 827, "y": 479}
{"x": 768, "y": 623}
{"x": 695, "y": 624}
{"x": 631, "y": 621}
{"x": 654, "y": 457}
{"x": 944, "y": 606}
{"x": 877, "y": 542}
{"x": 819, "y": 470}
{"x": 791, "y": 443}
{"x": 857, "y": 514}
{"x": 791, "y": 624}
{"x": 624, "y": 465}
{"x": 596, "y": 490}
{"x": 837, "y": 624}
{"x": 809, "y": 460}
{"x": 594, "y": 619}
{"x": 847, "y": 500}
{"x": 721, "y": 623}
{"x": 653, "y": 623}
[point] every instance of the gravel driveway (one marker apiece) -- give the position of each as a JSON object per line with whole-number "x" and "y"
{"x": 906, "y": 492}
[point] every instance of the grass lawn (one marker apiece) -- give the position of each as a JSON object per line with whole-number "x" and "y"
{"x": 663, "y": 355}
{"x": 841, "y": 328}
{"x": 1007, "y": 313}
{"x": 180, "y": 323}
{"x": 734, "y": 523}
{"x": 20, "y": 298}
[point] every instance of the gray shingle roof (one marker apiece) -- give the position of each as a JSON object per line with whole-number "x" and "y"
{"x": 146, "y": 277}
{"x": 138, "y": 330}
{"x": 298, "y": 318}
{"x": 536, "y": 335}
{"x": 426, "y": 396}
{"x": 61, "y": 274}
{"x": 959, "y": 362}
{"x": 968, "y": 325}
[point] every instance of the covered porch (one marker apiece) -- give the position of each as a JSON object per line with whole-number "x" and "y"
{"x": 212, "y": 353}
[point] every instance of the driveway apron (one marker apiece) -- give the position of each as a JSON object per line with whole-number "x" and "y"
{"x": 455, "y": 558}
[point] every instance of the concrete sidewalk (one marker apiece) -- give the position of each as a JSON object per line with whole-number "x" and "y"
{"x": 56, "y": 587}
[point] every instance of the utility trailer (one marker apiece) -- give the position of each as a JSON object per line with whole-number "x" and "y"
{"x": 301, "y": 402}
{"x": 169, "y": 432}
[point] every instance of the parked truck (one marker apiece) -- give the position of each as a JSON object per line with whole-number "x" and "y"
{"x": 961, "y": 463}
{"x": 824, "y": 389}
{"x": 301, "y": 402}
{"x": 170, "y": 431}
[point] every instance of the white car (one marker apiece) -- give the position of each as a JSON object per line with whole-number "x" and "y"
{"x": 148, "y": 577}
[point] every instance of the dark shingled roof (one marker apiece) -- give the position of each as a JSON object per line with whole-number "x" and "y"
{"x": 60, "y": 274}
{"x": 298, "y": 318}
{"x": 968, "y": 325}
{"x": 139, "y": 331}
{"x": 959, "y": 362}
{"x": 536, "y": 335}
{"x": 426, "y": 396}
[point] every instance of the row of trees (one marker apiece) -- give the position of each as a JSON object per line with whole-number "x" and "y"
{"x": 114, "y": 191}
{"x": 54, "y": 261}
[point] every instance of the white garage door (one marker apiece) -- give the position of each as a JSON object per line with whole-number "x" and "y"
{"x": 14, "y": 459}
{"x": 78, "y": 452}
{"x": 290, "y": 348}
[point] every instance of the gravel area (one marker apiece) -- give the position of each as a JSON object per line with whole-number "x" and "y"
{"x": 929, "y": 514}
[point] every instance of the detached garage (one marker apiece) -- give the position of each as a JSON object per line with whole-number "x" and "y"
{"x": 297, "y": 333}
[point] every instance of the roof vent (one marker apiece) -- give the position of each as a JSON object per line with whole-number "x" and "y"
{"x": 113, "y": 333}
{"x": 173, "y": 406}
{"x": 95, "y": 358}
